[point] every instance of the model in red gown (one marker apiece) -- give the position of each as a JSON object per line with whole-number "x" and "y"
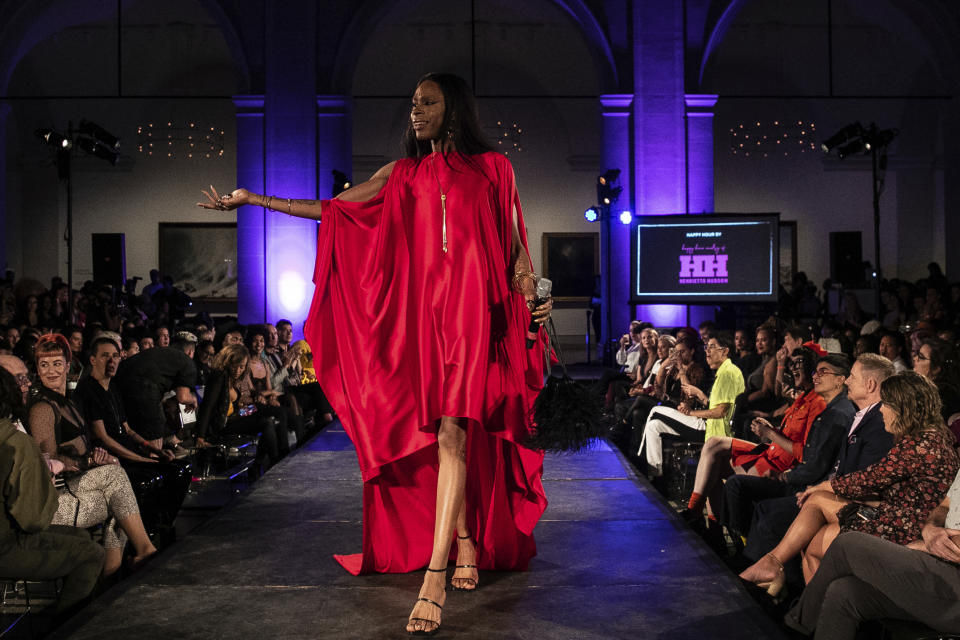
{"x": 403, "y": 333}
{"x": 418, "y": 329}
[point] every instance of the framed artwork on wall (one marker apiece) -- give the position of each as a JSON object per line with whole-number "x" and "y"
{"x": 201, "y": 257}
{"x": 788, "y": 252}
{"x": 572, "y": 262}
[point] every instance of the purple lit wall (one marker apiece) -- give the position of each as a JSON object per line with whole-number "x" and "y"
{"x": 290, "y": 129}
{"x": 251, "y": 298}
{"x": 700, "y": 109}
{"x": 659, "y": 169}
{"x": 616, "y": 155}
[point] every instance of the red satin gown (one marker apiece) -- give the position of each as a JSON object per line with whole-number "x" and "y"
{"x": 403, "y": 333}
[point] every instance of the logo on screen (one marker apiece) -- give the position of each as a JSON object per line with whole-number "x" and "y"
{"x": 703, "y": 269}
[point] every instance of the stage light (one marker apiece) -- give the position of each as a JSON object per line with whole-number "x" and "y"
{"x": 340, "y": 182}
{"x": 855, "y": 147}
{"x": 607, "y": 194}
{"x": 592, "y": 214}
{"x": 99, "y": 134}
{"x": 98, "y": 149}
{"x": 54, "y": 138}
{"x": 845, "y": 135}
{"x": 609, "y": 177}
{"x": 611, "y": 195}
{"x": 626, "y": 217}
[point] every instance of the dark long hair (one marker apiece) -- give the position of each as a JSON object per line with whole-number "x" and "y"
{"x": 460, "y": 118}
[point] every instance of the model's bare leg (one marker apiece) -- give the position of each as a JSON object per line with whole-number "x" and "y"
{"x": 465, "y": 577}
{"x": 819, "y": 509}
{"x": 451, "y": 481}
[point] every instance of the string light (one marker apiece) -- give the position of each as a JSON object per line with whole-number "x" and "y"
{"x": 182, "y": 140}
{"x": 508, "y": 137}
{"x": 765, "y": 137}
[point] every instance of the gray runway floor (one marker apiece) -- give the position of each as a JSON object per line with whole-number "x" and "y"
{"x": 614, "y": 562}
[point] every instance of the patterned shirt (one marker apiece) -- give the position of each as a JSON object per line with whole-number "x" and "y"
{"x": 910, "y": 481}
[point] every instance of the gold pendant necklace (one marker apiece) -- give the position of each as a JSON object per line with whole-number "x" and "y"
{"x": 443, "y": 203}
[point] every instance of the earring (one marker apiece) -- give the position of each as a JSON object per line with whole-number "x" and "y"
{"x": 450, "y": 133}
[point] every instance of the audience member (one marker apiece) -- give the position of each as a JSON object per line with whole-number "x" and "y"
{"x": 129, "y": 347}
{"x": 866, "y": 344}
{"x": 936, "y": 360}
{"x": 793, "y": 338}
{"x": 684, "y": 364}
{"x": 162, "y": 337}
{"x": 745, "y": 358}
{"x": 222, "y": 413}
{"x": 284, "y": 334}
{"x": 144, "y": 379}
{"x": 104, "y": 413}
{"x": 760, "y": 382}
{"x": 893, "y": 347}
{"x": 203, "y": 358}
{"x": 103, "y": 408}
{"x": 256, "y": 385}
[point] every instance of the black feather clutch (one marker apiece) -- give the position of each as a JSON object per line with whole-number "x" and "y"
{"x": 566, "y": 413}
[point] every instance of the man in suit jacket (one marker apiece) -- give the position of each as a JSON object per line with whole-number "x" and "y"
{"x": 866, "y": 442}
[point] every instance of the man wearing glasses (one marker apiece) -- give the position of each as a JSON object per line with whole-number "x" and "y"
{"x": 697, "y": 424}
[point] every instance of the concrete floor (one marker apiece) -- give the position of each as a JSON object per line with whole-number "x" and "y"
{"x": 614, "y": 562}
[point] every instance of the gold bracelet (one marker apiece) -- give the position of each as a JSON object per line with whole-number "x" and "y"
{"x": 519, "y": 276}
{"x": 269, "y": 200}
{"x": 288, "y": 206}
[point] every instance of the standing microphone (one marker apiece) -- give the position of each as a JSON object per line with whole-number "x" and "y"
{"x": 543, "y": 293}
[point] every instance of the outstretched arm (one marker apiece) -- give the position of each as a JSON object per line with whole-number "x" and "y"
{"x": 295, "y": 207}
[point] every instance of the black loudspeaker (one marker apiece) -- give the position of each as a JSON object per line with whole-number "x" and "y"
{"x": 109, "y": 259}
{"x": 846, "y": 258}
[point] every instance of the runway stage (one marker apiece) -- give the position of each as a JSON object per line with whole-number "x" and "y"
{"x": 613, "y": 562}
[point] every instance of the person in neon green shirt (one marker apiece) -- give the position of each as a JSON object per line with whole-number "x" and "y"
{"x": 692, "y": 424}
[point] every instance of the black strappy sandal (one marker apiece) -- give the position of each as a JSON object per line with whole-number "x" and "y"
{"x": 427, "y": 620}
{"x": 476, "y": 582}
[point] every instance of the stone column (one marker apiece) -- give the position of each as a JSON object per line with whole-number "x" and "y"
{"x": 658, "y": 124}
{"x": 614, "y": 236}
{"x": 700, "y": 110}
{"x": 251, "y": 276}
{"x": 290, "y": 124}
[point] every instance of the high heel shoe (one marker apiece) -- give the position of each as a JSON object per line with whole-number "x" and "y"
{"x": 422, "y": 632}
{"x": 474, "y": 581}
{"x": 775, "y": 586}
